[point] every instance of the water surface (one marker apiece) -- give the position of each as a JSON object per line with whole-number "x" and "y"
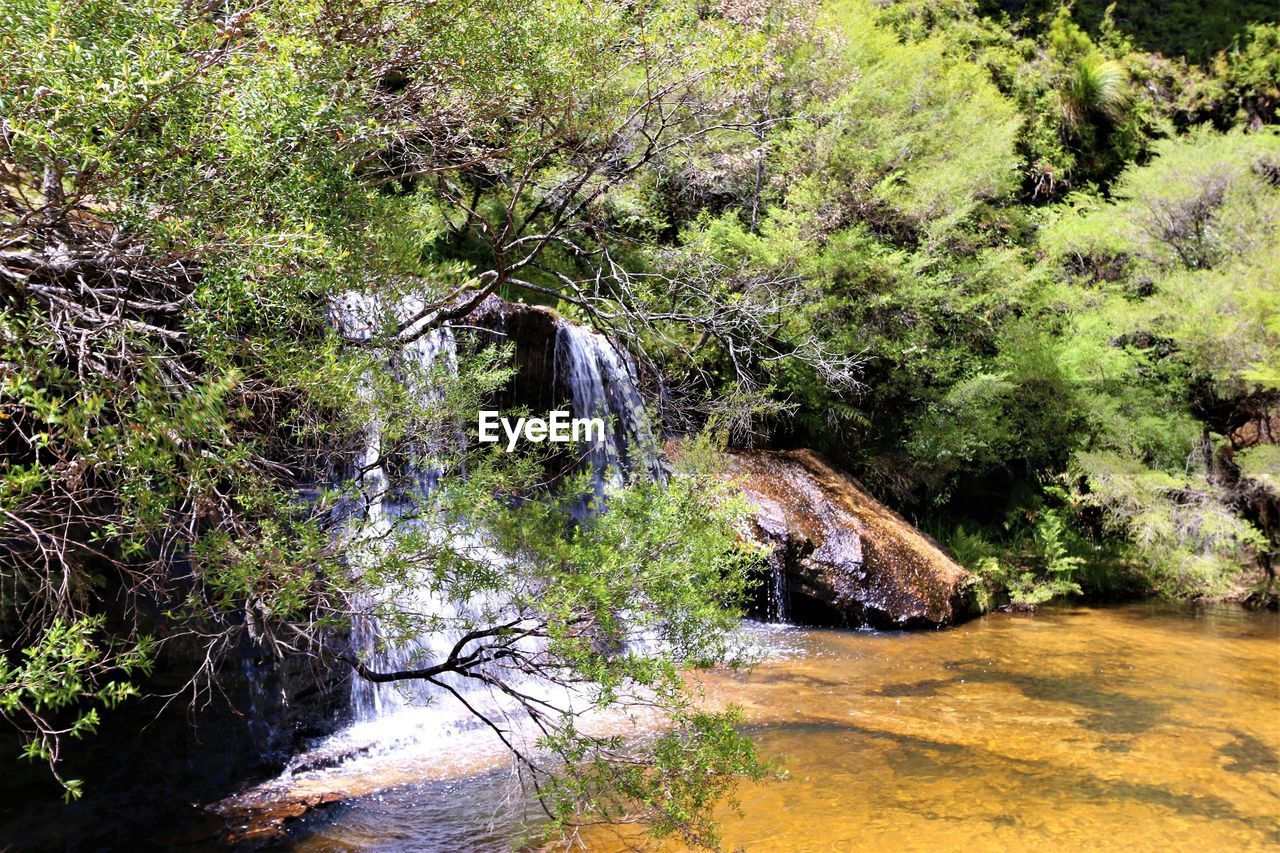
{"x": 1132, "y": 727}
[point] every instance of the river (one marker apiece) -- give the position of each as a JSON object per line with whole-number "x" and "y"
{"x": 1134, "y": 727}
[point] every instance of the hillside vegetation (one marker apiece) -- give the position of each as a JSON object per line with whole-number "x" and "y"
{"x": 1013, "y": 268}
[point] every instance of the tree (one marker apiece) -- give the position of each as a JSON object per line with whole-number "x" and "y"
{"x": 187, "y": 195}
{"x": 1174, "y": 347}
{"x": 557, "y": 627}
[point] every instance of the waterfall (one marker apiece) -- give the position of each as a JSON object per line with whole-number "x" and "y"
{"x": 379, "y": 509}
{"x": 778, "y": 606}
{"x": 600, "y": 381}
{"x": 597, "y": 379}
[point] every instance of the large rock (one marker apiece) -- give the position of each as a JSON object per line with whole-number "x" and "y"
{"x": 844, "y": 557}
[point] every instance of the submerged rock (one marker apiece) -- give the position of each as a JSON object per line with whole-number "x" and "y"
{"x": 843, "y": 556}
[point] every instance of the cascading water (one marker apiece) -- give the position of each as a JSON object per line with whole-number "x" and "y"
{"x": 778, "y": 608}
{"x": 600, "y": 382}
{"x": 378, "y": 508}
{"x": 596, "y": 379}
{"x": 400, "y": 730}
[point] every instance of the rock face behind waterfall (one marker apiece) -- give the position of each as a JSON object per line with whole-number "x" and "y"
{"x": 563, "y": 365}
{"x": 844, "y": 557}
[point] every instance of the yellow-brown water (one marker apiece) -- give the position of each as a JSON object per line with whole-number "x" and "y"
{"x": 1127, "y": 728}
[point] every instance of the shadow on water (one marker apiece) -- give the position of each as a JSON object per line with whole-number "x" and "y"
{"x": 1247, "y": 754}
{"x": 919, "y": 758}
{"x": 1107, "y": 712}
{"x": 1142, "y": 725}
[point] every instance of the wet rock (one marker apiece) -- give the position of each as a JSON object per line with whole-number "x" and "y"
{"x": 152, "y": 761}
{"x": 249, "y": 824}
{"x": 845, "y": 557}
{"x": 531, "y": 331}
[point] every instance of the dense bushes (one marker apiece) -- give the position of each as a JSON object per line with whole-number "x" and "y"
{"x": 1020, "y": 277}
{"x": 1063, "y": 302}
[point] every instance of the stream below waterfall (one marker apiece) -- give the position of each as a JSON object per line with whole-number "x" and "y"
{"x": 1146, "y": 725}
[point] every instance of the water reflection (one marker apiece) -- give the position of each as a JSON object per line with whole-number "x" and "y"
{"x": 1133, "y": 726}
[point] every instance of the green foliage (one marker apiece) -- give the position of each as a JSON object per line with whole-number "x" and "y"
{"x": 61, "y": 681}
{"x": 1182, "y": 525}
{"x": 1053, "y": 536}
{"x": 695, "y": 760}
{"x": 1193, "y": 29}
{"x": 1260, "y": 467}
{"x": 214, "y": 182}
{"x": 1094, "y": 87}
{"x": 1126, "y": 311}
{"x": 1166, "y": 301}
{"x": 1056, "y": 279}
{"x": 885, "y": 146}
{"x": 1250, "y": 72}
{"x": 1039, "y": 557}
